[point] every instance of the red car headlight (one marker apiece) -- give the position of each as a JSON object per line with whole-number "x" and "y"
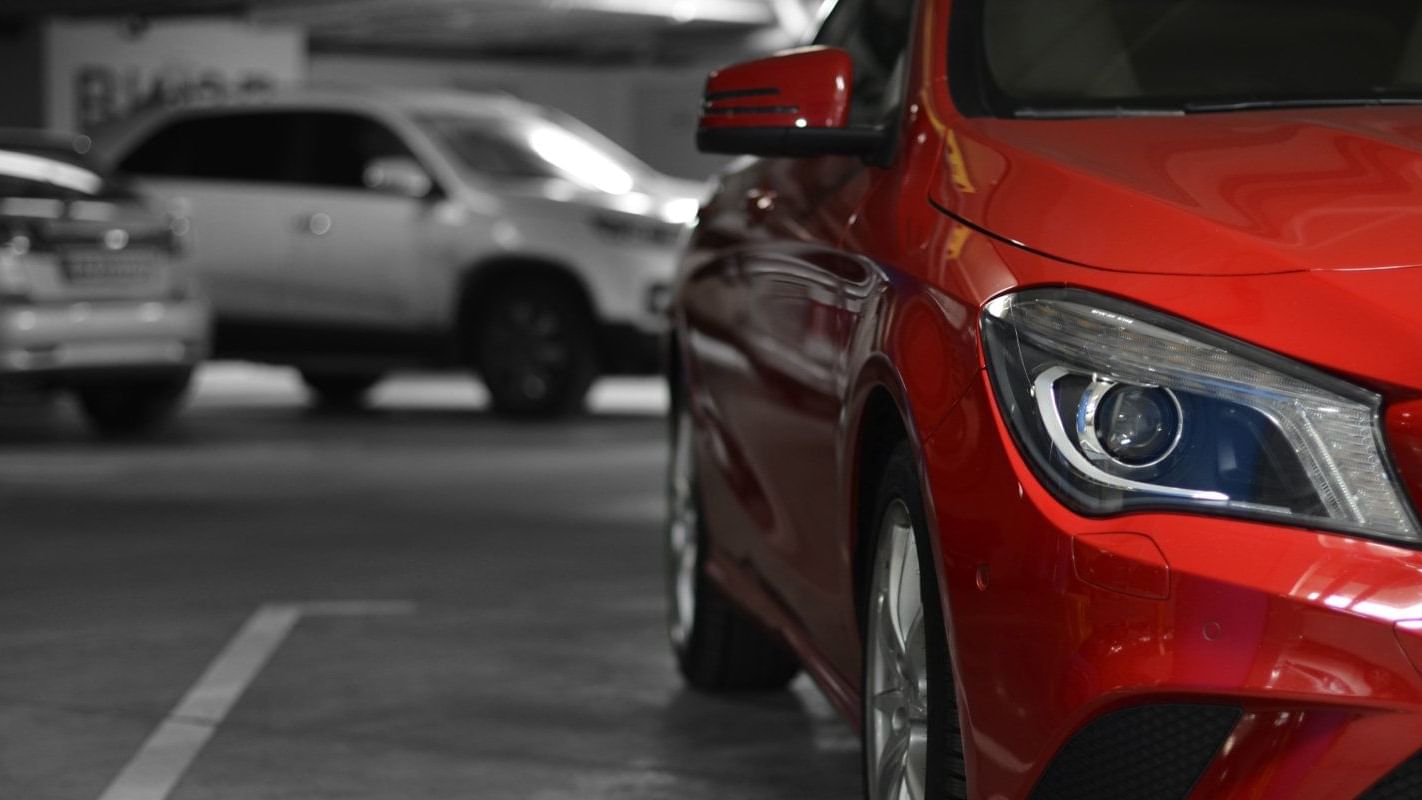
{"x": 1119, "y": 408}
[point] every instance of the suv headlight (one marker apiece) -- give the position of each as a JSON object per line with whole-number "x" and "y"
{"x": 1119, "y": 408}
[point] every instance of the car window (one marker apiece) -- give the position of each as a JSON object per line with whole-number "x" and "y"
{"x": 338, "y": 146}
{"x": 544, "y": 145}
{"x": 876, "y": 34}
{"x": 258, "y": 146}
{"x": 1038, "y": 56}
{"x": 490, "y": 147}
{"x": 322, "y": 148}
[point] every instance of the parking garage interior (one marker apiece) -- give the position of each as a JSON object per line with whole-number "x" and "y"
{"x": 406, "y": 596}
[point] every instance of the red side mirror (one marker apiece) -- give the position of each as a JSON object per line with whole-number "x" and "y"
{"x": 792, "y": 104}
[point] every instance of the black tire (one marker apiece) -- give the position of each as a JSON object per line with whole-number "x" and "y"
{"x": 135, "y": 407}
{"x": 535, "y": 349}
{"x": 718, "y": 647}
{"x": 946, "y": 764}
{"x": 339, "y": 390}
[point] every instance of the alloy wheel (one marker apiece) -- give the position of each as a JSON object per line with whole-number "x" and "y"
{"x": 896, "y": 672}
{"x": 527, "y": 348}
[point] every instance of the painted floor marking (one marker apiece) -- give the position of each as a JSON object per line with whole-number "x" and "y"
{"x": 160, "y": 763}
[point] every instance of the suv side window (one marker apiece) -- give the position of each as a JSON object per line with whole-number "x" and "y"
{"x": 340, "y": 145}
{"x": 236, "y": 147}
{"x": 322, "y": 148}
{"x": 876, "y": 34}
{"x": 491, "y": 149}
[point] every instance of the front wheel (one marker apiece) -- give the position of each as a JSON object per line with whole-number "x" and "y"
{"x": 913, "y": 742}
{"x": 134, "y": 407}
{"x": 718, "y": 647}
{"x": 535, "y": 349}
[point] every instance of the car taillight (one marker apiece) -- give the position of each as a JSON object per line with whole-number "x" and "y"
{"x": 16, "y": 242}
{"x": 178, "y": 229}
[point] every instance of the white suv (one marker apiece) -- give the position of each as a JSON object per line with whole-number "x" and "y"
{"x": 350, "y": 233}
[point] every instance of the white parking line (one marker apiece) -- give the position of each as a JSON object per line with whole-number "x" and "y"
{"x": 159, "y": 764}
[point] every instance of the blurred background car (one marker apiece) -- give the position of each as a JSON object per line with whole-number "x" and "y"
{"x": 448, "y": 603}
{"x": 352, "y": 232}
{"x": 94, "y": 295}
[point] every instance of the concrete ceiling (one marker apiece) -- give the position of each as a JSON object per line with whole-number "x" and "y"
{"x": 646, "y": 30}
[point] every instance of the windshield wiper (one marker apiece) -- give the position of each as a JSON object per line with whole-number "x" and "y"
{"x": 1096, "y": 112}
{"x": 1300, "y": 102}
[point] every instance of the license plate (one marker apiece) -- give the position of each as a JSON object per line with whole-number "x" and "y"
{"x": 108, "y": 267}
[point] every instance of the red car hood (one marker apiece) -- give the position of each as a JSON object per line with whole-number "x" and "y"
{"x": 1210, "y": 194}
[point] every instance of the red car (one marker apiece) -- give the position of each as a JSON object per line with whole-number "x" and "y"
{"x": 1050, "y": 390}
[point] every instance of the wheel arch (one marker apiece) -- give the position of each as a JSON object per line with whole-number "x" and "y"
{"x": 882, "y": 420}
{"x": 919, "y": 359}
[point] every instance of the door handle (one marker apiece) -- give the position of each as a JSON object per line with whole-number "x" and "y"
{"x": 317, "y": 224}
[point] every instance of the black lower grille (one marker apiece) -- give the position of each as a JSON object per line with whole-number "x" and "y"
{"x": 1153, "y": 752}
{"x": 1403, "y": 783}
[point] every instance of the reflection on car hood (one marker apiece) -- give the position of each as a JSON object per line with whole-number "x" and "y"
{"x": 1234, "y": 193}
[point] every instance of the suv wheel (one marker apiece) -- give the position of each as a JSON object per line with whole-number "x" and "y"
{"x": 339, "y": 389}
{"x": 718, "y": 648}
{"x": 913, "y": 741}
{"x": 133, "y": 407}
{"x": 535, "y": 349}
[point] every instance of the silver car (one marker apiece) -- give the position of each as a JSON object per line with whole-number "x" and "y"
{"x": 350, "y": 233}
{"x": 94, "y": 297}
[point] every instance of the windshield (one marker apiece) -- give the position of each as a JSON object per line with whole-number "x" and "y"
{"x": 1067, "y": 57}
{"x": 537, "y": 147}
{"x": 49, "y": 173}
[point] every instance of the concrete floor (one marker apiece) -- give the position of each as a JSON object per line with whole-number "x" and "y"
{"x": 533, "y": 665}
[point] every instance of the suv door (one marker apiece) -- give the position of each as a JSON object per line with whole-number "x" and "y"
{"x": 296, "y": 253}
{"x": 356, "y": 254}
{"x": 234, "y": 175}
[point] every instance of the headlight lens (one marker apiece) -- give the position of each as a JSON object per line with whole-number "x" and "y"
{"x": 1119, "y": 408}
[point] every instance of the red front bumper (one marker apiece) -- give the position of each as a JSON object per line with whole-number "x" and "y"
{"x": 1057, "y": 619}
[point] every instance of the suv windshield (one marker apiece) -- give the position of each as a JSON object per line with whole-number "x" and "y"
{"x": 536, "y": 147}
{"x": 1104, "y": 57}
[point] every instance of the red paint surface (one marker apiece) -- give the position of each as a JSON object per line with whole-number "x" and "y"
{"x": 1129, "y": 563}
{"x": 860, "y": 287}
{"x": 1409, "y": 635}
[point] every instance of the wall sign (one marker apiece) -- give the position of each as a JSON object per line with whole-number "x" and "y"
{"x": 97, "y": 72}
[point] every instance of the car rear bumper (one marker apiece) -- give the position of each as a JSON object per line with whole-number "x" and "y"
{"x": 72, "y": 339}
{"x": 1060, "y": 621}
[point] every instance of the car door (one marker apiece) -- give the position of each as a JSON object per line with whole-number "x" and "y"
{"x": 356, "y": 251}
{"x": 232, "y": 174}
{"x": 804, "y": 297}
